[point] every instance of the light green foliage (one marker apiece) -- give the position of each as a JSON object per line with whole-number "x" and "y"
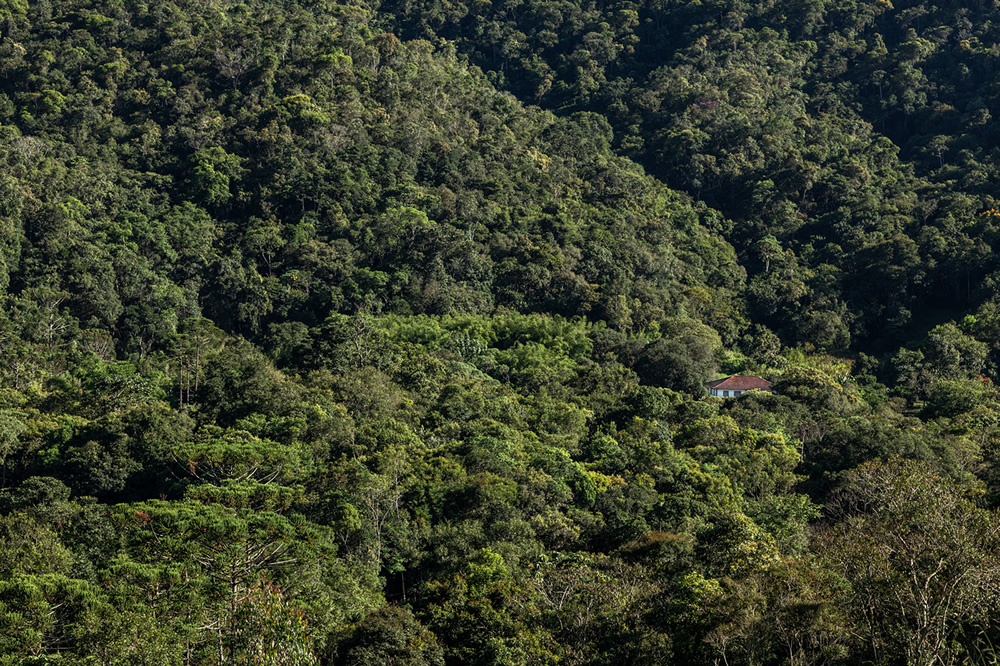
{"x": 45, "y": 615}
{"x": 213, "y": 174}
{"x": 953, "y": 354}
{"x": 759, "y": 464}
{"x": 761, "y": 467}
{"x": 237, "y": 456}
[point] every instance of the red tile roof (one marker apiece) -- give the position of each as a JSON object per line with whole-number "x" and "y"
{"x": 740, "y": 383}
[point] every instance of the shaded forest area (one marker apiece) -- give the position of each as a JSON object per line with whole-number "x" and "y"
{"x": 850, "y": 142}
{"x": 378, "y": 334}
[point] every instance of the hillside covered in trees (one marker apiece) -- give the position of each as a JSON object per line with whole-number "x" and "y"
{"x": 359, "y": 334}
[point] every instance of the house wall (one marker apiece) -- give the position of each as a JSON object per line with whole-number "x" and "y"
{"x": 732, "y": 393}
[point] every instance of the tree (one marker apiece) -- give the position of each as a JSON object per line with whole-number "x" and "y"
{"x": 783, "y": 613}
{"x": 394, "y": 637}
{"x": 11, "y": 426}
{"x": 238, "y": 380}
{"x": 49, "y": 614}
{"x": 214, "y": 173}
{"x": 922, "y": 559}
{"x": 484, "y": 614}
{"x": 952, "y": 354}
{"x": 212, "y": 557}
{"x": 267, "y": 629}
{"x": 684, "y": 359}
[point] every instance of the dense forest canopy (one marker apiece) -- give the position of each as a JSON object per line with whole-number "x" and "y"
{"x": 379, "y": 333}
{"x": 850, "y": 142}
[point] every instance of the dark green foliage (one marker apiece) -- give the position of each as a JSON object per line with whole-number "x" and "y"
{"x": 319, "y": 345}
{"x": 392, "y": 635}
{"x": 848, "y": 141}
{"x": 684, "y": 359}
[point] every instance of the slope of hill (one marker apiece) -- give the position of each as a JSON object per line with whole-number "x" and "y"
{"x": 320, "y": 345}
